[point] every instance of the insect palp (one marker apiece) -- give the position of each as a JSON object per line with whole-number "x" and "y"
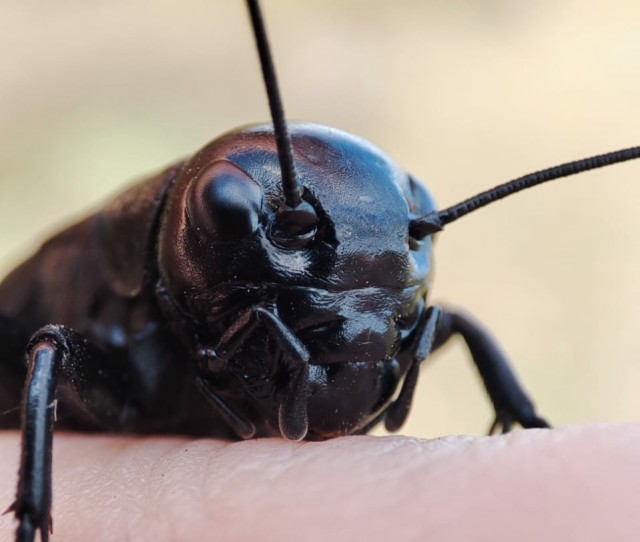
{"x": 240, "y": 426}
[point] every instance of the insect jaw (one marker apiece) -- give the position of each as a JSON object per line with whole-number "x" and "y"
{"x": 292, "y": 399}
{"x": 293, "y": 360}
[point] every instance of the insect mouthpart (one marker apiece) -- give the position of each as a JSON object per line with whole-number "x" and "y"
{"x": 259, "y": 361}
{"x": 280, "y": 353}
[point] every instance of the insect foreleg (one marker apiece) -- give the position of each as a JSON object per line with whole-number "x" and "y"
{"x": 510, "y": 401}
{"x": 398, "y": 411}
{"x": 54, "y": 354}
{"x": 33, "y": 499}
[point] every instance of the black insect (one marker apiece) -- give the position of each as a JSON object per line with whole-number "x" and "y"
{"x": 275, "y": 283}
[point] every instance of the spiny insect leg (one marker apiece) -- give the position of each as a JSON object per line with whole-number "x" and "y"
{"x": 56, "y": 355}
{"x": 33, "y": 500}
{"x": 398, "y": 411}
{"x": 510, "y": 400}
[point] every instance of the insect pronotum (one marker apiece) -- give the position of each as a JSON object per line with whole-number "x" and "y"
{"x": 524, "y": 129}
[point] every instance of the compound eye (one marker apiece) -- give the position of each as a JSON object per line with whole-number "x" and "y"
{"x": 224, "y": 203}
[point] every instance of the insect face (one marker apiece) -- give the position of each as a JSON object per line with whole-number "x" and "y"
{"x": 351, "y": 288}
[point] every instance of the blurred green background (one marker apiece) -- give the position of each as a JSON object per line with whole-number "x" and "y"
{"x": 464, "y": 94}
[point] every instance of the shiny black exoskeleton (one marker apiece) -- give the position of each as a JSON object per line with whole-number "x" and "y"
{"x": 202, "y": 284}
{"x": 334, "y": 319}
{"x": 190, "y": 281}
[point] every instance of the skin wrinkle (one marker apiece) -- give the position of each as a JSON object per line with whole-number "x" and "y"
{"x": 163, "y": 491}
{"x": 539, "y": 480}
{"x": 158, "y": 489}
{"x": 583, "y": 481}
{"x": 123, "y": 478}
{"x": 212, "y": 460}
{"x": 218, "y": 479}
{"x": 262, "y": 457}
{"x": 274, "y": 468}
{"x": 144, "y": 474}
{"x": 162, "y": 472}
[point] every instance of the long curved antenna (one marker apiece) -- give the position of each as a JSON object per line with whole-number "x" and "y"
{"x": 434, "y": 221}
{"x": 290, "y": 185}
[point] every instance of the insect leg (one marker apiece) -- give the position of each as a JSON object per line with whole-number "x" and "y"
{"x": 54, "y": 352}
{"x": 510, "y": 401}
{"x": 398, "y": 411}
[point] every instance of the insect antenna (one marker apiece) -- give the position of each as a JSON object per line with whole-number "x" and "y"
{"x": 285, "y": 153}
{"x": 435, "y": 221}
{"x": 296, "y": 221}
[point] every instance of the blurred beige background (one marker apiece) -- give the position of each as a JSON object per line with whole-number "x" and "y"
{"x": 464, "y": 94}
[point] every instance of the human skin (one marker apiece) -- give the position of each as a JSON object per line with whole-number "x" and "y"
{"x": 580, "y": 483}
